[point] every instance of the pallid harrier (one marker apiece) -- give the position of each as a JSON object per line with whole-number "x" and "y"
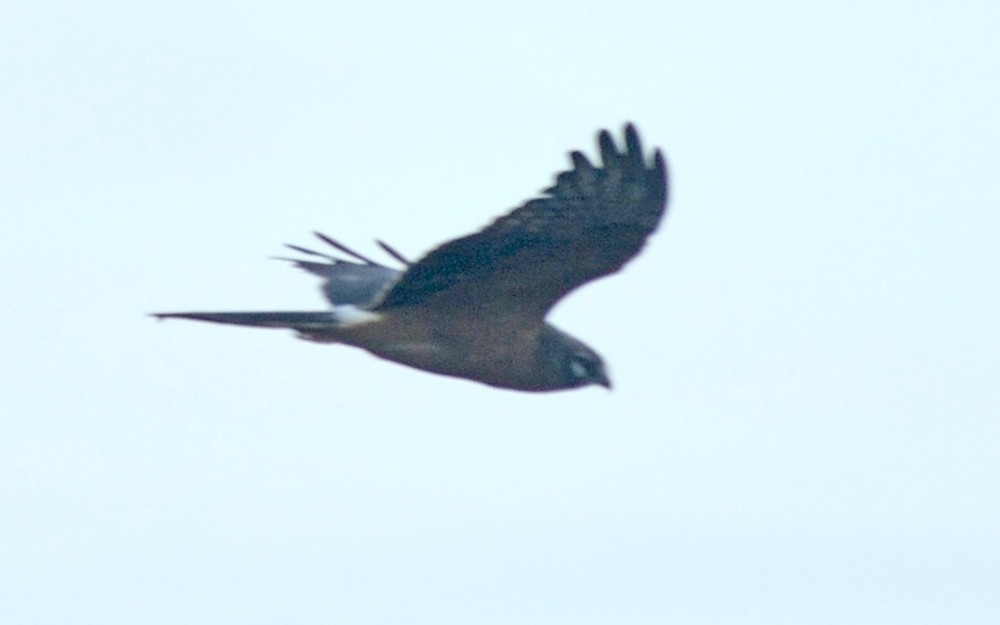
{"x": 475, "y": 307}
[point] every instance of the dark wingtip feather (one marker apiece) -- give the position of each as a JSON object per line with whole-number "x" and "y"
{"x": 580, "y": 160}
{"x": 343, "y": 248}
{"x": 391, "y": 251}
{"x": 660, "y": 166}
{"x": 633, "y": 145}
{"x": 609, "y": 154}
{"x": 162, "y": 316}
{"x": 306, "y": 250}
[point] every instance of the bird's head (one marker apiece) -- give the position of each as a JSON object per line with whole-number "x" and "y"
{"x": 572, "y": 362}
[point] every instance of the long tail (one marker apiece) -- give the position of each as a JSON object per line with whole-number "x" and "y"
{"x": 301, "y": 321}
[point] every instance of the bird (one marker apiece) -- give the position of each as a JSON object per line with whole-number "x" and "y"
{"x": 475, "y": 307}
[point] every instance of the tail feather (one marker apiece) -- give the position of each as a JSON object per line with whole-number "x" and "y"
{"x": 348, "y": 282}
{"x": 302, "y": 321}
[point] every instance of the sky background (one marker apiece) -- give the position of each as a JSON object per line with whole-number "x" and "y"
{"x": 804, "y": 426}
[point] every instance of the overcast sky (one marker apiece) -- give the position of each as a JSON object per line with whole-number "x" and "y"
{"x": 804, "y": 426}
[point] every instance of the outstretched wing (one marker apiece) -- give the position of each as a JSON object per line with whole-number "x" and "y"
{"x": 588, "y": 225}
{"x": 349, "y": 286}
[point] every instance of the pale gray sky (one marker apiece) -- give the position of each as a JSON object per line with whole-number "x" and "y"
{"x": 804, "y": 427}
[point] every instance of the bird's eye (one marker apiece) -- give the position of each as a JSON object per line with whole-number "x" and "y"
{"x": 586, "y": 368}
{"x": 579, "y": 369}
{"x": 583, "y": 367}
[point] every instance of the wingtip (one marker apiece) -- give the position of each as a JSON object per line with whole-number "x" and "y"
{"x": 660, "y": 162}
{"x": 343, "y": 248}
{"x": 632, "y": 149}
{"x": 630, "y": 130}
{"x": 633, "y": 145}
{"x": 305, "y": 250}
{"x": 580, "y": 160}
{"x": 391, "y": 251}
{"x": 609, "y": 153}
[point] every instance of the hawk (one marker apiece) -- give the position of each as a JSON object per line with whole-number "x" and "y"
{"x": 475, "y": 307}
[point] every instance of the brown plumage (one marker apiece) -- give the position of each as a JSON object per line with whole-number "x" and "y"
{"x": 475, "y": 307}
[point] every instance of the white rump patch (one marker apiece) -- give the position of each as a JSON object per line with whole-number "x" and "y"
{"x": 349, "y": 315}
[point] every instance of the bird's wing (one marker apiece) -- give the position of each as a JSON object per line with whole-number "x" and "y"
{"x": 359, "y": 284}
{"x": 589, "y": 224}
{"x": 301, "y": 321}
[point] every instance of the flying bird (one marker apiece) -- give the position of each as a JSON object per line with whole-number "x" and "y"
{"x": 475, "y": 307}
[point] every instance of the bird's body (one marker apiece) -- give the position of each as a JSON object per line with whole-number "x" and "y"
{"x": 475, "y": 307}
